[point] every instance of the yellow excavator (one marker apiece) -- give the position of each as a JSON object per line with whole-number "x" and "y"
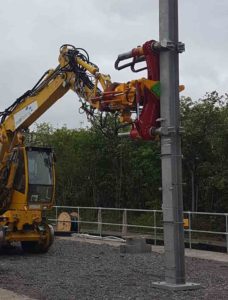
{"x": 27, "y": 174}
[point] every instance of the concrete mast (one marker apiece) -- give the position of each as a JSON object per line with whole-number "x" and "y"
{"x": 171, "y": 156}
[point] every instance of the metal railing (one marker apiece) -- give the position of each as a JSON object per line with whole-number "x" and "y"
{"x": 122, "y": 222}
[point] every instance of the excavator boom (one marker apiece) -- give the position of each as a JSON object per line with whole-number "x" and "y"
{"x": 27, "y": 177}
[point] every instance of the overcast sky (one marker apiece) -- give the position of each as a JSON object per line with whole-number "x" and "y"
{"x": 33, "y": 30}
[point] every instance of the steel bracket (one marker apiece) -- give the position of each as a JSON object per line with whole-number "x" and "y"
{"x": 165, "y": 45}
{"x": 166, "y": 131}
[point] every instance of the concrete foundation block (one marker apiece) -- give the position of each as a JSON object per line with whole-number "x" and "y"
{"x": 135, "y": 245}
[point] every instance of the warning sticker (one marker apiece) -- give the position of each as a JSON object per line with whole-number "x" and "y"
{"x": 23, "y": 114}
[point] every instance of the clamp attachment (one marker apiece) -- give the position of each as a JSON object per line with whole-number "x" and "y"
{"x": 168, "y": 45}
{"x": 166, "y": 131}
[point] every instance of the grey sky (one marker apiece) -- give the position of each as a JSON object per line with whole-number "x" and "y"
{"x": 33, "y": 30}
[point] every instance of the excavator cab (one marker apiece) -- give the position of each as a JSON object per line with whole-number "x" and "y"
{"x": 34, "y": 180}
{"x": 31, "y": 170}
{"x": 40, "y": 163}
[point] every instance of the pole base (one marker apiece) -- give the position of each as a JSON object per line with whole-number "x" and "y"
{"x": 176, "y": 287}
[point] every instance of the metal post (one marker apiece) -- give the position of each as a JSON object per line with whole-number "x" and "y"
{"x": 99, "y": 221}
{"x": 190, "y": 230}
{"x": 155, "y": 229}
{"x": 193, "y": 190}
{"x": 56, "y": 215}
{"x": 227, "y": 233}
{"x": 171, "y": 157}
{"x": 124, "y": 223}
{"x": 79, "y": 225}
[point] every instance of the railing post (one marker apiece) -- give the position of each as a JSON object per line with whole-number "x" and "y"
{"x": 189, "y": 230}
{"x": 99, "y": 221}
{"x": 155, "y": 229}
{"x": 124, "y": 223}
{"x": 79, "y": 225}
{"x": 56, "y": 215}
{"x": 226, "y": 233}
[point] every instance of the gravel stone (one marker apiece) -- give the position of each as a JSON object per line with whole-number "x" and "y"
{"x": 74, "y": 270}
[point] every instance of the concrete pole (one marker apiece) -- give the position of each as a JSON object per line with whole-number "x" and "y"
{"x": 171, "y": 146}
{"x": 171, "y": 157}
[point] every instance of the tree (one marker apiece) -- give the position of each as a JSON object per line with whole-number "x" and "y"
{"x": 205, "y": 147}
{"x": 95, "y": 167}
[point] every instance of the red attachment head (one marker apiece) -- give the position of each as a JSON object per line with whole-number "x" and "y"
{"x": 146, "y": 121}
{"x": 142, "y": 127}
{"x": 152, "y": 60}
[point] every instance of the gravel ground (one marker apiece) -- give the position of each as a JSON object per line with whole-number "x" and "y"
{"x": 80, "y": 270}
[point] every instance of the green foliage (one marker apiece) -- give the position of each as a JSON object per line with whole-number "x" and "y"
{"x": 205, "y": 148}
{"x": 95, "y": 167}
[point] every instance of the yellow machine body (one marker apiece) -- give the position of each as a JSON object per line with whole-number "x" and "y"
{"x": 31, "y": 182}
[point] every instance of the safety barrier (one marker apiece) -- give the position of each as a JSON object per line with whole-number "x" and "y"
{"x": 99, "y": 220}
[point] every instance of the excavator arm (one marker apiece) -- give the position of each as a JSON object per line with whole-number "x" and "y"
{"x": 27, "y": 180}
{"x": 71, "y": 73}
{"x": 76, "y": 72}
{"x": 27, "y": 177}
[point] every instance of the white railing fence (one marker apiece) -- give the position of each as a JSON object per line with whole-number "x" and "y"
{"x": 200, "y": 227}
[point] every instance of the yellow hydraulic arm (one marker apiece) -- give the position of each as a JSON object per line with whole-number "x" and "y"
{"x": 75, "y": 72}
{"x": 24, "y": 195}
{"x": 94, "y": 89}
{"x": 54, "y": 84}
